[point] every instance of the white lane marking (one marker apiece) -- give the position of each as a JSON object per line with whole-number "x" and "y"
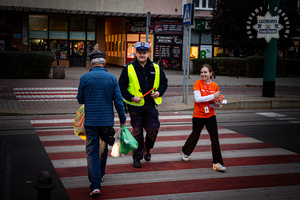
{"x": 81, "y": 162}
{"x": 72, "y": 136}
{"x": 45, "y": 88}
{"x": 47, "y": 121}
{"x": 177, "y": 143}
{"x": 44, "y": 96}
{"x": 271, "y": 114}
{"x": 57, "y": 92}
{"x": 288, "y": 118}
{"x": 187, "y": 174}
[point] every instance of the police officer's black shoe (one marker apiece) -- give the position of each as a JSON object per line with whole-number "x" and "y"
{"x": 147, "y": 156}
{"x": 137, "y": 163}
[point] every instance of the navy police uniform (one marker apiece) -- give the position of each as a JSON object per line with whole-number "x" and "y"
{"x": 145, "y": 116}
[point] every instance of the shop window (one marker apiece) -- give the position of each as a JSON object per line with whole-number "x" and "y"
{"x": 77, "y": 28}
{"x": 112, "y": 45}
{"x": 205, "y": 4}
{"x": 90, "y": 48}
{"x": 120, "y": 45}
{"x": 2, "y": 45}
{"x": 123, "y": 45}
{"x": 194, "y": 37}
{"x": 38, "y": 33}
{"x": 116, "y": 45}
{"x": 38, "y": 45}
{"x": 206, "y": 38}
{"x": 131, "y": 40}
{"x": 91, "y": 29}
{"x": 217, "y": 50}
{"x": 194, "y": 52}
{"x": 59, "y": 48}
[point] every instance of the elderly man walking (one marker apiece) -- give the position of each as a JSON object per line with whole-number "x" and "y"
{"x": 99, "y": 91}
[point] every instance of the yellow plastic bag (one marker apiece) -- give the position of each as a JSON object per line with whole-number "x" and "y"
{"x": 78, "y": 123}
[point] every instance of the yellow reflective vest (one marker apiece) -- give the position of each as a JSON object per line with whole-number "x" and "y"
{"x": 134, "y": 86}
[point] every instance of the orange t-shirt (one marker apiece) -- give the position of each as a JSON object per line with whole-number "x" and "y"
{"x": 205, "y": 90}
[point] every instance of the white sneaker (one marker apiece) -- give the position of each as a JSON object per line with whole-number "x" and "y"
{"x": 95, "y": 192}
{"x": 219, "y": 167}
{"x": 184, "y": 156}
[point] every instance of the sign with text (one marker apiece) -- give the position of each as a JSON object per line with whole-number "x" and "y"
{"x": 205, "y": 51}
{"x": 77, "y": 35}
{"x": 38, "y": 34}
{"x": 58, "y": 35}
{"x": 168, "y": 27}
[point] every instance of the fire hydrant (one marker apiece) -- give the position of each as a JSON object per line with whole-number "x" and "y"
{"x": 44, "y": 185}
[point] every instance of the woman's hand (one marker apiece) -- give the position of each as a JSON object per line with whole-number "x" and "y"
{"x": 216, "y": 94}
{"x": 217, "y": 103}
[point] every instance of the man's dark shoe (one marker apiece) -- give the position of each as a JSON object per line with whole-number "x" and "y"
{"x": 137, "y": 163}
{"x": 147, "y": 156}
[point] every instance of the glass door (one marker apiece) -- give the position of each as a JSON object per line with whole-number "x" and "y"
{"x": 77, "y": 53}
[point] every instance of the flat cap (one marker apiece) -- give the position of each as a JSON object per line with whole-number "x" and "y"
{"x": 142, "y": 46}
{"x": 97, "y": 55}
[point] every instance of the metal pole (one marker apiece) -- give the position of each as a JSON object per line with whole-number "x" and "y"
{"x": 147, "y": 25}
{"x": 270, "y": 59}
{"x": 184, "y": 62}
{"x": 6, "y": 170}
{"x": 188, "y": 65}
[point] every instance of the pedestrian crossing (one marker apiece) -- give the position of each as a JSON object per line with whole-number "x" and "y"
{"x": 255, "y": 170}
{"x": 280, "y": 117}
{"x": 46, "y": 93}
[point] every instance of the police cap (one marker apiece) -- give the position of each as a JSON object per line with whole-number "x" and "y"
{"x": 142, "y": 46}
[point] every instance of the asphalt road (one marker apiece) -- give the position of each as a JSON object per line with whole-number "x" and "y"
{"x": 29, "y": 158}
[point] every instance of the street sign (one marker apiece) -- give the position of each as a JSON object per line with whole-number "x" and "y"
{"x": 188, "y": 14}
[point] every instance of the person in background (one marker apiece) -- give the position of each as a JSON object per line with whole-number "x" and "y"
{"x": 99, "y": 91}
{"x": 136, "y": 79}
{"x": 205, "y": 99}
{"x": 96, "y": 49}
{"x": 14, "y": 48}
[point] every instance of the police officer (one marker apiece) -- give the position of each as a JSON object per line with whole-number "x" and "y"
{"x": 136, "y": 79}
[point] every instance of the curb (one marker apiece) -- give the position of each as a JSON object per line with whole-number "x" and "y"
{"x": 234, "y": 105}
{"x": 251, "y": 105}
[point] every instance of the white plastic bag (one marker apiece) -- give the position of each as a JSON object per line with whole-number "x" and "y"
{"x": 115, "y": 151}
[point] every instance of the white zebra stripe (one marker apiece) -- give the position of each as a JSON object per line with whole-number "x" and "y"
{"x": 81, "y": 162}
{"x": 187, "y": 174}
{"x": 178, "y": 143}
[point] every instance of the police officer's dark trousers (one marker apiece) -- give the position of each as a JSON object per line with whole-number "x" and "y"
{"x": 143, "y": 117}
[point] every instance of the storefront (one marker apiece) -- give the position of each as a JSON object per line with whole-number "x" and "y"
{"x": 71, "y": 39}
{"x": 136, "y": 32}
{"x": 4, "y": 34}
{"x": 168, "y": 43}
{"x": 201, "y": 41}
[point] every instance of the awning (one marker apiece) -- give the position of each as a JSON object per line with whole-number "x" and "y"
{"x": 31, "y": 10}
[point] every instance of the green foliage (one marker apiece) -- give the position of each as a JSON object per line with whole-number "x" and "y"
{"x": 222, "y": 55}
{"x": 252, "y": 66}
{"x": 25, "y": 65}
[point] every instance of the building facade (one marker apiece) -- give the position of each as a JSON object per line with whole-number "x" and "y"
{"x": 70, "y": 29}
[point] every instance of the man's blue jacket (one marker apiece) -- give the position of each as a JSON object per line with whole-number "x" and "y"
{"x": 97, "y": 90}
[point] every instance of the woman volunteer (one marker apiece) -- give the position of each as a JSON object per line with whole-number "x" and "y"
{"x": 206, "y": 95}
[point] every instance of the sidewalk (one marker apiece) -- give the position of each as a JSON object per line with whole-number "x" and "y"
{"x": 241, "y": 93}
